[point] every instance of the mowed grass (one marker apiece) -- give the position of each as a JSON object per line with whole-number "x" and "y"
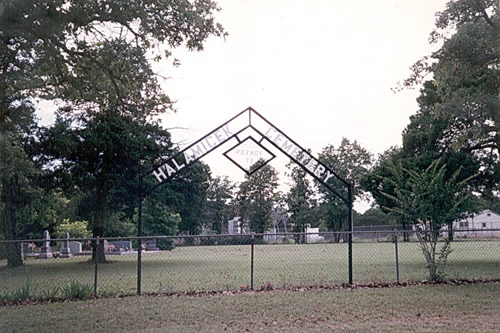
{"x": 442, "y": 308}
{"x": 214, "y": 268}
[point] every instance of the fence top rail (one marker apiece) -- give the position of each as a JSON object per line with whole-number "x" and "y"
{"x": 289, "y": 234}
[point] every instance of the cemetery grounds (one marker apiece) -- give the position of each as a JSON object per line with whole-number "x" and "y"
{"x": 297, "y": 287}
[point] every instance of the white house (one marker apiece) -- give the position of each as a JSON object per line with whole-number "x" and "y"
{"x": 312, "y": 235}
{"x": 482, "y": 224}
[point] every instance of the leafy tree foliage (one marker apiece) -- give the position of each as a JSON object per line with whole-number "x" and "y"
{"x": 159, "y": 219}
{"x": 417, "y": 154}
{"x": 16, "y": 191}
{"x": 257, "y": 196}
{"x": 301, "y": 202}
{"x": 350, "y": 161}
{"x": 220, "y": 207}
{"x": 373, "y": 216}
{"x": 461, "y": 99}
{"x": 75, "y": 229}
{"x": 191, "y": 190}
{"x": 18, "y": 186}
{"x": 102, "y": 158}
{"x": 430, "y": 200}
{"x": 458, "y": 115}
{"x": 93, "y": 58}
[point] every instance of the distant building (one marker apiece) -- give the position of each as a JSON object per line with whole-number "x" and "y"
{"x": 486, "y": 223}
{"x": 312, "y": 235}
{"x": 236, "y": 226}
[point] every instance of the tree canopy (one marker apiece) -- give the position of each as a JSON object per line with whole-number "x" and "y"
{"x": 460, "y": 83}
{"x": 94, "y": 60}
{"x": 257, "y": 196}
{"x": 350, "y": 160}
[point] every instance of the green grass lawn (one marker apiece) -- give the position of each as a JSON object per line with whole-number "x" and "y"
{"x": 441, "y": 308}
{"x": 208, "y": 268}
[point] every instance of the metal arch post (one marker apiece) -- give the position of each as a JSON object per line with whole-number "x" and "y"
{"x": 139, "y": 234}
{"x": 350, "y": 220}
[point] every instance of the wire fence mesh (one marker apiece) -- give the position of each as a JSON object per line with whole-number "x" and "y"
{"x": 171, "y": 264}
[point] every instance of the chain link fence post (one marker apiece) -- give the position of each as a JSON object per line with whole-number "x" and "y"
{"x": 397, "y": 255}
{"x": 96, "y": 267}
{"x": 139, "y": 265}
{"x": 251, "y": 261}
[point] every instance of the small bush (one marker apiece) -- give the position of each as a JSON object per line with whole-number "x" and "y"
{"x": 21, "y": 293}
{"x": 76, "y": 229}
{"x": 51, "y": 293}
{"x": 165, "y": 244}
{"x": 75, "y": 289}
{"x": 208, "y": 241}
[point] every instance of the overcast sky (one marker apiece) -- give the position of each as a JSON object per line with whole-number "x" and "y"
{"x": 319, "y": 70}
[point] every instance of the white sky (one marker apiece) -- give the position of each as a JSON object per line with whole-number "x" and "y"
{"x": 319, "y": 70}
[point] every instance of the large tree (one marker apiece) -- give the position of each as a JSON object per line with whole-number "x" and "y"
{"x": 102, "y": 159}
{"x": 220, "y": 207}
{"x": 460, "y": 84}
{"x": 458, "y": 117}
{"x": 256, "y": 197}
{"x": 189, "y": 193}
{"x": 17, "y": 188}
{"x": 301, "y": 201}
{"x": 94, "y": 59}
{"x": 350, "y": 161}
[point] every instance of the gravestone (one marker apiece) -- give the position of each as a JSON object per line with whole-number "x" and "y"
{"x": 75, "y": 247}
{"x": 151, "y": 245}
{"x": 65, "y": 251}
{"x": 46, "y": 252}
{"x": 25, "y": 249}
{"x": 118, "y": 246}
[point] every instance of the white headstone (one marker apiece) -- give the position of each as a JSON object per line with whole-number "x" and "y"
{"x": 65, "y": 251}
{"x": 46, "y": 252}
{"x": 75, "y": 247}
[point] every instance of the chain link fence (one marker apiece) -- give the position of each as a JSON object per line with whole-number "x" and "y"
{"x": 173, "y": 264}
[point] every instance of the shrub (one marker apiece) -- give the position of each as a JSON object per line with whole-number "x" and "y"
{"x": 76, "y": 229}
{"x": 21, "y": 293}
{"x": 165, "y": 244}
{"x": 75, "y": 289}
{"x": 51, "y": 293}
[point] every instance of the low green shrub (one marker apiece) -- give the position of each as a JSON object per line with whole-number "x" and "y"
{"x": 76, "y": 289}
{"x": 51, "y": 292}
{"x": 23, "y": 292}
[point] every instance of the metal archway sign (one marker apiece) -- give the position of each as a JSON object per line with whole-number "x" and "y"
{"x": 253, "y": 134}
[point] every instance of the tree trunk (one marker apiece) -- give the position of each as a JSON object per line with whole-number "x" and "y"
{"x": 428, "y": 249}
{"x": 98, "y": 226}
{"x": 14, "y": 258}
{"x": 98, "y": 251}
{"x": 406, "y": 236}
{"x": 450, "y": 231}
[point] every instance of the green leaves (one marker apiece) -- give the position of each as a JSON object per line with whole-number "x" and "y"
{"x": 428, "y": 196}
{"x": 350, "y": 161}
{"x": 76, "y": 229}
{"x": 93, "y": 58}
{"x": 257, "y": 196}
{"x": 466, "y": 75}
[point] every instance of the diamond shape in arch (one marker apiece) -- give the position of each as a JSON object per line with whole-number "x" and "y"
{"x": 249, "y": 155}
